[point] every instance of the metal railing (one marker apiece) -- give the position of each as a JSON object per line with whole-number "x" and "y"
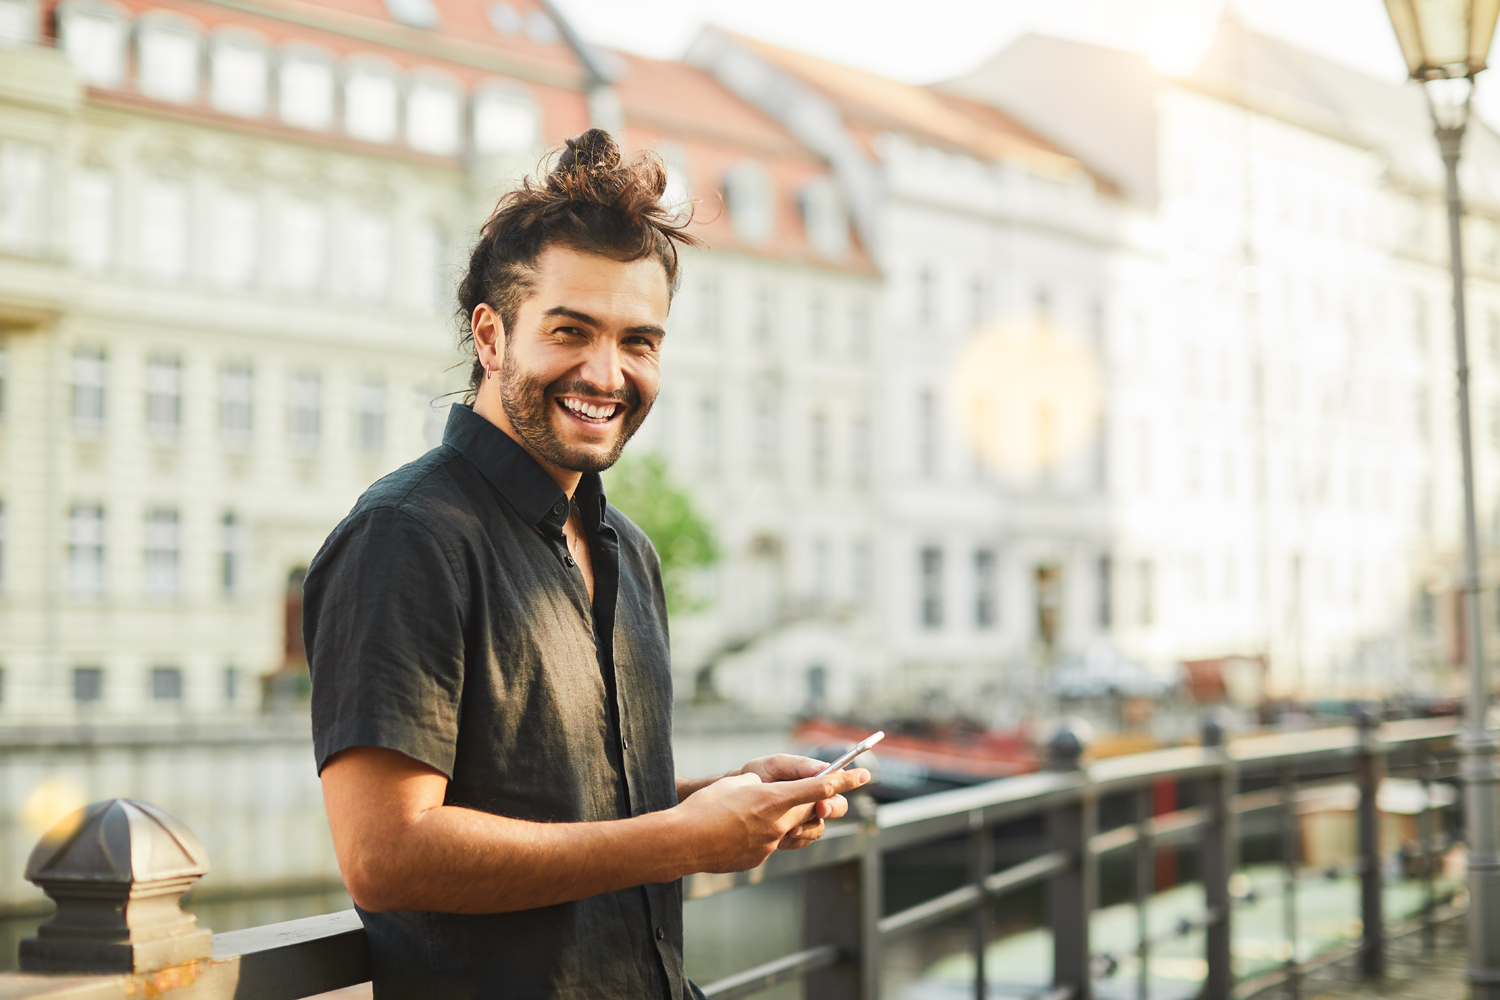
{"x": 845, "y": 922}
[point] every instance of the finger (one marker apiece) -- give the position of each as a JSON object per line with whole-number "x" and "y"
{"x": 748, "y": 778}
{"x": 833, "y": 808}
{"x": 826, "y": 787}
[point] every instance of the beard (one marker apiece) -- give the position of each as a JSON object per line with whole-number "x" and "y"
{"x": 528, "y": 402}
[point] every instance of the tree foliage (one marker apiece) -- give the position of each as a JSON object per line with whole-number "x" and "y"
{"x": 643, "y": 489}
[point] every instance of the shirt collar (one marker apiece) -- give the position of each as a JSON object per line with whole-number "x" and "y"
{"x": 515, "y": 475}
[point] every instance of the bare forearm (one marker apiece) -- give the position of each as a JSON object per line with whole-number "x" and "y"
{"x": 464, "y": 861}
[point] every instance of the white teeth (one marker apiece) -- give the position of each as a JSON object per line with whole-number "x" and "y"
{"x": 590, "y": 410}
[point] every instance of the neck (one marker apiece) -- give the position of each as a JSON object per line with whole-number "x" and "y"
{"x": 488, "y": 405}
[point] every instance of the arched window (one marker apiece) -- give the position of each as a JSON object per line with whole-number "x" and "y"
{"x": 93, "y": 35}
{"x": 371, "y": 99}
{"x": 751, "y": 197}
{"x": 824, "y": 217}
{"x": 167, "y": 50}
{"x": 239, "y": 72}
{"x": 433, "y": 118}
{"x": 305, "y": 87}
{"x": 506, "y": 120}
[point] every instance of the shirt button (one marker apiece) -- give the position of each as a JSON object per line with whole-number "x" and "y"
{"x": 661, "y": 935}
{"x": 568, "y": 560}
{"x": 625, "y": 744}
{"x": 559, "y": 507}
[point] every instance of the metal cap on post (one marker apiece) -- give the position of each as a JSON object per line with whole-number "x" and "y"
{"x": 117, "y": 871}
{"x": 1071, "y": 893}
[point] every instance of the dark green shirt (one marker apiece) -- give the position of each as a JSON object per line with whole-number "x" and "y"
{"x": 445, "y": 619}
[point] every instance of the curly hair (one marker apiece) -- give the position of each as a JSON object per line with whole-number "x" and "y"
{"x": 590, "y": 201}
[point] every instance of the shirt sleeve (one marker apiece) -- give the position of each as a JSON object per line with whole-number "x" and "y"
{"x": 383, "y": 626}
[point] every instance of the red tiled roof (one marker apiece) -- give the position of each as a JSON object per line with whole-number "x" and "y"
{"x": 873, "y": 104}
{"x": 672, "y": 102}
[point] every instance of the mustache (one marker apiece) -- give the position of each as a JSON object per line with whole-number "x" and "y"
{"x": 627, "y": 394}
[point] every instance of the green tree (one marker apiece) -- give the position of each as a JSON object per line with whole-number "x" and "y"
{"x": 642, "y": 488}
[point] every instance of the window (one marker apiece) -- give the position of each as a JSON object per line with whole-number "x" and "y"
{"x": 414, "y": 13}
{"x": 167, "y": 58}
{"x": 88, "y": 685}
{"x": 231, "y": 685}
{"x": 93, "y": 219}
{"x": 166, "y": 684}
{"x": 1105, "y": 583}
{"x": 764, "y": 444}
{"x": 305, "y": 86}
{"x": 820, "y": 571}
{"x": 164, "y": 396}
{"x": 162, "y": 554}
{"x": 820, "y": 449}
{"x": 88, "y": 390}
{"x": 862, "y": 571}
{"x": 927, "y": 433}
{"x": 825, "y": 219}
{"x": 817, "y": 324}
{"x": 860, "y": 334}
{"x": 303, "y": 245}
{"x": 986, "y": 589}
{"x": 505, "y": 122}
{"x": 24, "y": 172}
{"x": 1418, "y": 308}
{"x": 93, "y": 35}
{"x": 86, "y": 551}
{"x": 433, "y": 112}
{"x": 164, "y": 230}
{"x": 1043, "y": 302}
{"x": 817, "y": 687}
{"x": 17, "y": 22}
{"x": 371, "y": 417}
{"x": 708, "y": 308}
{"x": 859, "y": 450}
{"x": 504, "y": 18}
{"x": 1097, "y": 329}
{"x": 239, "y": 73}
{"x": 763, "y": 326}
{"x": 370, "y": 100}
{"x": 234, "y": 248}
{"x": 306, "y": 409}
{"x": 235, "y": 389}
{"x": 751, "y": 198}
{"x": 369, "y": 236}
{"x": 932, "y": 587}
{"x": 231, "y": 567}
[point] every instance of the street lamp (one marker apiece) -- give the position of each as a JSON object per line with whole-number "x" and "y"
{"x": 1446, "y": 43}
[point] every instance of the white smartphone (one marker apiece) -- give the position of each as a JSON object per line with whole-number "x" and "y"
{"x": 853, "y": 752}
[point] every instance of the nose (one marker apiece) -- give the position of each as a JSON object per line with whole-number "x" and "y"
{"x": 601, "y": 366}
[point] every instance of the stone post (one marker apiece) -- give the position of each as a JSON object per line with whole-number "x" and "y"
{"x": 117, "y": 871}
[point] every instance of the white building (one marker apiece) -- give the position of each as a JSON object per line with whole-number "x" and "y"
{"x": 226, "y": 248}
{"x": 1283, "y": 426}
{"x": 997, "y": 250}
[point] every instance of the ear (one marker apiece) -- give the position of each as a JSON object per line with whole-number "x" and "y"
{"x": 489, "y": 334}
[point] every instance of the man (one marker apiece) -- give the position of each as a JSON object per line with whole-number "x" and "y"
{"x": 488, "y": 644}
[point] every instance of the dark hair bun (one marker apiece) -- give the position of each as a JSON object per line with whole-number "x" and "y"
{"x": 595, "y": 149}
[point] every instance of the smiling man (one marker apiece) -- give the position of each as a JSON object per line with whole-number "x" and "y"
{"x": 488, "y": 642}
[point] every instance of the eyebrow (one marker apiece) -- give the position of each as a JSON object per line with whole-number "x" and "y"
{"x": 584, "y": 317}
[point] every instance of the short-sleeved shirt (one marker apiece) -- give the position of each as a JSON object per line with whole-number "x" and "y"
{"x": 445, "y": 619}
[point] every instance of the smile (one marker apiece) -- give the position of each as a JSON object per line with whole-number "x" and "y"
{"x": 590, "y": 413}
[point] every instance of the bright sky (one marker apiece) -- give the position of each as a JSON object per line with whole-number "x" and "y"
{"x": 936, "y": 39}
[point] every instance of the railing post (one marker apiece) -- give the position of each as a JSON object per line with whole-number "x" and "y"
{"x": 836, "y": 911}
{"x": 1071, "y": 892}
{"x": 981, "y": 864}
{"x": 1369, "y": 768}
{"x": 117, "y": 871}
{"x": 1217, "y": 863}
{"x": 1428, "y": 851}
{"x": 1291, "y": 858}
{"x": 1145, "y": 886}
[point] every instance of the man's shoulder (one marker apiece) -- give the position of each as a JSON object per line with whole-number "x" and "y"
{"x": 434, "y": 490}
{"x": 632, "y": 538}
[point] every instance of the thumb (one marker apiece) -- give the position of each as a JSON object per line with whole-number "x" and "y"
{"x": 748, "y": 778}
{"x": 826, "y": 787}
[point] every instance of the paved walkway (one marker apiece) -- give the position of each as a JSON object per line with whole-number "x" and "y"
{"x": 1412, "y": 973}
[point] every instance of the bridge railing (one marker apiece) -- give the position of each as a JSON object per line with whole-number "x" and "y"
{"x": 105, "y": 942}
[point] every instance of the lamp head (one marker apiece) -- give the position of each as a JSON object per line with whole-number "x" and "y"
{"x": 1444, "y": 39}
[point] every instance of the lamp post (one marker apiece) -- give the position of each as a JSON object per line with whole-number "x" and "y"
{"x": 1446, "y": 43}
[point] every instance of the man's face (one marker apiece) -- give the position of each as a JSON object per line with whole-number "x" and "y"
{"x": 581, "y": 368}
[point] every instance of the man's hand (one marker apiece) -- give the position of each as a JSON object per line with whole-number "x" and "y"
{"x": 740, "y": 819}
{"x": 790, "y": 767}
